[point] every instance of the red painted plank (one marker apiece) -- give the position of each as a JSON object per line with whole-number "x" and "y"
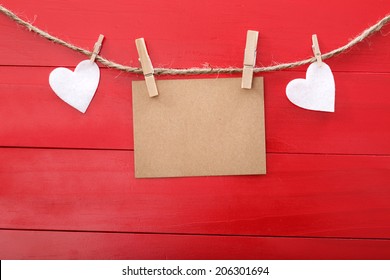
{"x": 35, "y": 117}
{"x": 15, "y": 244}
{"x": 302, "y": 195}
{"x": 213, "y": 32}
{"x": 359, "y": 125}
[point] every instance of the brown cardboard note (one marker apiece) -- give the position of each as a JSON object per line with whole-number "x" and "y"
{"x": 199, "y": 127}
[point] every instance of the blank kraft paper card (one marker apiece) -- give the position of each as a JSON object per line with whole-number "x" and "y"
{"x": 199, "y": 127}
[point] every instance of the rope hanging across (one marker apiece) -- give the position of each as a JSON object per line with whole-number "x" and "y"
{"x": 195, "y": 70}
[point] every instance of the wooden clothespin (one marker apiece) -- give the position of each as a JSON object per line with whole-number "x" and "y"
{"x": 316, "y": 49}
{"x": 147, "y": 67}
{"x": 97, "y": 47}
{"x": 249, "y": 58}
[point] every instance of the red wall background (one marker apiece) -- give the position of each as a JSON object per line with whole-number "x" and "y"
{"x": 67, "y": 186}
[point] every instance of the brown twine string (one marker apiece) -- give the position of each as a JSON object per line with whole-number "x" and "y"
{"x": 196, "y": 71}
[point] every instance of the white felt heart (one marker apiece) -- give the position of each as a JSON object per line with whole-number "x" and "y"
{"x": 316, "y": 92}
{"x": 76, "y": 88}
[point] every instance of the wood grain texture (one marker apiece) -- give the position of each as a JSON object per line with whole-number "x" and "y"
{"x": 302, "y": 195}
{"x": 328, "y": 174}
{"x": 36, "y": 117}
{"x": 191, "y": 33}
{"x": 86, "y": 245}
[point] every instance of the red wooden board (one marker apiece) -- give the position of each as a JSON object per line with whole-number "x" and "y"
{"x": 86, "y": 245}
{"x": 36, "y": 117}
{"x": 190, "y": 33}
{"x": 69, "y": 177}
{"x": 95, "y": 190}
